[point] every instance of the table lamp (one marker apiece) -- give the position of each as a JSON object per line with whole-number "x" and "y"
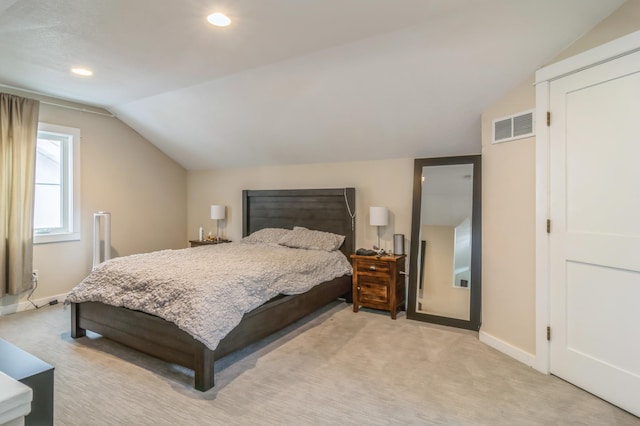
{"x": 378, "y": 216}
{"x": 217, "y": 213}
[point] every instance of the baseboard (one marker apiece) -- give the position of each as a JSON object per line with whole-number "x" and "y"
{"x": 26, "y": 305}
{"x": 508, "y": 349}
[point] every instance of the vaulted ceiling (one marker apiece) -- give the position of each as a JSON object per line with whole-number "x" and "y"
{"x": 290, "y": 81}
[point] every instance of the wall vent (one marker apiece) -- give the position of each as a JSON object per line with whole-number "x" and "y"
{"x": 513, "y": 127}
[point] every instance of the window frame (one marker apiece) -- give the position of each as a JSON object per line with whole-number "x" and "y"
{"x": 71, "y": 187}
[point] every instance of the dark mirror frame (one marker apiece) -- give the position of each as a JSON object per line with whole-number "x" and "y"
{"x": 476, "y": 243}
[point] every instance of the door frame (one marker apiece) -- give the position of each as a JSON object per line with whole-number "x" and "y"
{"x": 543, "y": 79}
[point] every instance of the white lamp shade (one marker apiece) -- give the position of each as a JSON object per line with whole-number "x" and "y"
{"x": 378, "y": 216}
{"x": 217, "y": 212}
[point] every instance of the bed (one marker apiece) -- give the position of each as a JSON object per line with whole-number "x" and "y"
{"x": 329, "y": 210}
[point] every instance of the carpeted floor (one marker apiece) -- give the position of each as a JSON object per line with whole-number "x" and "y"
{"x": 336, "y": 367}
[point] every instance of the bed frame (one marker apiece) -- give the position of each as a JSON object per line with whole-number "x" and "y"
{"x": 320, "y": 209}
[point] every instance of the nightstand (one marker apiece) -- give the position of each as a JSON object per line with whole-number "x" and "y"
{"x": 35, "y": 373}
{"x": 196, "y": 243}
{"x": 378, "y": 283}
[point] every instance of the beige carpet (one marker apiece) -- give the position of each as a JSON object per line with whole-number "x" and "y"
{"x": 334, "y": 368}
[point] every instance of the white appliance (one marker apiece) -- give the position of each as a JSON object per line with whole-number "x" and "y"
{"x": 101, "y": 245}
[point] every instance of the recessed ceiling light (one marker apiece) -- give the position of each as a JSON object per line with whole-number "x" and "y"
{"x": 82, "y": 71}
{"x": 218, "y": 19}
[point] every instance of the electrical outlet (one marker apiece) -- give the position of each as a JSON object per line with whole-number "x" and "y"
{"x": 34, "y": 275}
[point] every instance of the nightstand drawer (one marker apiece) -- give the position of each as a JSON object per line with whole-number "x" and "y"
{"x": 372, "y": 290}
{"x": 373, "y": 266}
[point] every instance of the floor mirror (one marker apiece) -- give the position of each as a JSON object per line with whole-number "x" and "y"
{"x": 445, "y": 256}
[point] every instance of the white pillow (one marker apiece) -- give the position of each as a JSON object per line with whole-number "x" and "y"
{"x": 267, "y": 236}
{"x": 312, "y": 240}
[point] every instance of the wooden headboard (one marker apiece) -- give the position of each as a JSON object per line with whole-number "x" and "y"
{"x": 328, "y": 210}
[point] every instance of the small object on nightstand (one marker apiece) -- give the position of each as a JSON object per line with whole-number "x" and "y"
{"x": 398, "y": 243}
{"x": 366, "y": 252}
{"x": 378, "y": 282}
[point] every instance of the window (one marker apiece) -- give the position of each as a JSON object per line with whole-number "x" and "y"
{"x": 57, "y": 191}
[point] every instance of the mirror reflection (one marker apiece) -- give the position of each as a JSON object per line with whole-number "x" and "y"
{"x": 444, "y": 279}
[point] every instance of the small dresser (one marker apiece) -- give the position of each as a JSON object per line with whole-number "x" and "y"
{"x": 36, "y": 374}
{"x": 378, "y": 283}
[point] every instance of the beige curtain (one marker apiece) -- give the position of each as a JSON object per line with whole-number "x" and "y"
{"x": 18, "y": 135}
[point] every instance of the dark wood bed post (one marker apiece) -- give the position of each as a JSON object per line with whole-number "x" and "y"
{"x": 76, "y": 330}
{"x": 203, "y": 367}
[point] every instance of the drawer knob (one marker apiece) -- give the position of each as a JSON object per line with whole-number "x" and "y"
{"x": 358, "y": 288}
{"x": 373, "y": 268}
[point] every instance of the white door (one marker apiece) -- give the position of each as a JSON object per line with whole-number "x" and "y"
{"x": 595, "y": 230}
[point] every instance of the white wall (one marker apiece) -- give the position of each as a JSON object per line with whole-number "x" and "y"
{"x": 508, "y": 203}
{"x": 378, "y": 183}
{"x": 122, "y": 173}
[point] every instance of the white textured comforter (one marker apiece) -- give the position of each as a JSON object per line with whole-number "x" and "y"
{"x": 206, "y": 290}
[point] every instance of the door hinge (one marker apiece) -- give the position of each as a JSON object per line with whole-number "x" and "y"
{"x": 548, "y": 333}
{"x": 548, "y": 226}
{"x": 548, "y": 118}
